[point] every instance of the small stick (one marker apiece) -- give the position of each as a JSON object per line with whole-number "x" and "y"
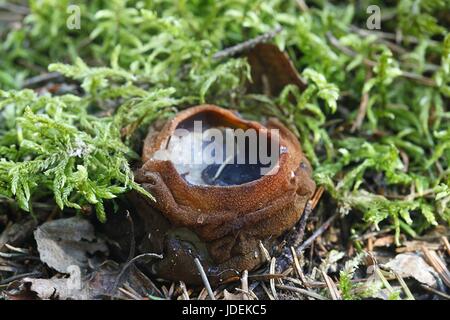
{"x": 302, "y": 226}
{"x": 446, "y": 244}
{"x": 435, "y": 291}
{"x": 129, "y": 263}
{"x": 264, "y": 277}
{"x": 41, "y": 78}
{"x": 316, "y": 234}
{"x": 244, "y": 284}
{"x": 132, "y": 239}
{"x": 362, "y": 110}
{"x": 302, "y": 291}
{"x": 204, "y": 279}
{"x": 402, "y": 282}
{"x": 247, "y": 45}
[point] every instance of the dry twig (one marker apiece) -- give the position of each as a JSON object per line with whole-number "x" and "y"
{"x": 204, "y": 279}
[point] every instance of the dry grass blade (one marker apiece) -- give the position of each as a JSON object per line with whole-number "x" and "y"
{"x": 128, "y": 264}
{"x": 272, "y": 281}
{"x": 362, "y": 110}
{"x": 446, "y": 244}
{"x": 267, "y": 291}
{"x": 438, "y": 265}
{"x": 204, "y": 279}
{"x": 264, "y": 251}
{"x": 184, "y": 292}
{"x": 298, "y": 268}
{"x": 316, "y": 197}
{"x": 405, "y": 288}
{"x": 304, "y": 292}
{"x": 334, "y": 292}
{"x": 246, "y": 295}
{"x": 435, "y": 291}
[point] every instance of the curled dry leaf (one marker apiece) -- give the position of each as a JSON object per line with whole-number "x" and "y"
{"x": 64, "y": 243}
{"x": 408, "y": 265}
{"x": 95, "y": 285}
{"x": 271, "y": 70}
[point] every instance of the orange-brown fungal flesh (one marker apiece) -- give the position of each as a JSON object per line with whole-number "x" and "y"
{"x": 221, "y": 225}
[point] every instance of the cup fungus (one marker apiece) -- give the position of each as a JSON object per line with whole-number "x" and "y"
{"x": 218, "y": 211}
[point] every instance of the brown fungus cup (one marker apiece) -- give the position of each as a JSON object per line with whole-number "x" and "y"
{"x": 218, "y": 212}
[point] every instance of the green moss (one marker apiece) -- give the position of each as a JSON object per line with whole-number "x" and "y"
{"x": 136, "y": 60}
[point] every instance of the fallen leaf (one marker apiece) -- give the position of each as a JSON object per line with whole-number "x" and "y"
{"x": 231, "y": 296}
{"x": 271, "y": 70}
{"x": 64, "y": 243}
{"x": 16, "y": 234}
{"x": 95, "y": 285}
{"x": 412, "y": 265}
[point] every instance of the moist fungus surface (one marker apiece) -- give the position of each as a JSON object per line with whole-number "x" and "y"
{"x": 217, "y": 212}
